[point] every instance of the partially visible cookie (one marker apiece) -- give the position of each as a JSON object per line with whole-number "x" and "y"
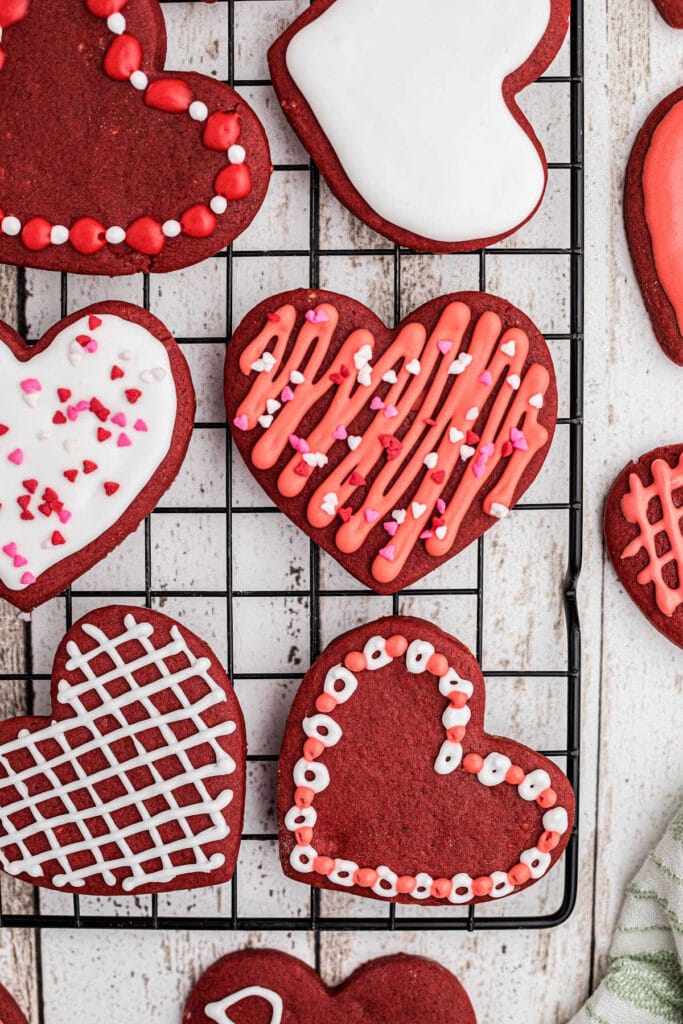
{"x": 644, "y": 534}
{"x": 9, "y": 1011}
{"x": 135, "y": 781}
{"x": 267, "y": 987}
{"x": 653, "y": 215}
{"x": 671, "y": 11}
{"x": 389, "y": 787}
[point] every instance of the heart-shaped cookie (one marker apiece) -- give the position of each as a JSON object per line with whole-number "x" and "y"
{"x": 392, "y": 449}
{"x": 411, "y": 113}
{"x": 267, "y": 987}
{"x": 95, "y": 421}
{"x": 390, "y": 788}
{"x": 671, "y": 11}
{"x": 644, "y": 534}
{"x": 653, "y": 215}
{"x": 135, "y": 782}
{"x": 9, "y": 1011}
{"x": 110, "y": 164}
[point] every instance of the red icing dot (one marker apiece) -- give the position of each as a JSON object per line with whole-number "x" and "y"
{"x": 198, "y": 222}
{"x": 441, "y": 888}
{"x": 548, "y": 798}
{"x": 365, "y": 877}
{"x": 515, "y": 775}
{"x": 71, "y": 474}
{"x": 87, "y": 236}
{"x": 57, "y": 538}
{"x": 104, "y": 8}
{"x": 457, "y": 699}
{"x": 456, "y": 733}
{"x": 313, "y": 748}
{"x": 221, "y": 131}
{"x": 123, "y": 57}
{"x": 303, "y": 796}
{"x": 110, "y": 487}
{"x": 396, "y": 646}
{"x": 325, "y": 703}
{"x": 31, "y": 486}
{"x": 473, "y": 763}
{"x": 12, "y": 11}
{"x": 355, "y": 661}
{"x": 520, "y": 874}
{"x": 63, "y": 394}
{"x": 169, "y": 94}
{"x": 59, "y": 417}
{"x": 303, "y": 836}
{"x": 438, "y": 665}
{"x": 117, "y": 373}
{"x": 89, "y": 467}
{"x": 548, "y": 841}
{"x": 406, "y": 884}
{"x": 36, "y": 234}
{"x": 482, "y": 886}
{"x": 323, "y": 865}
{"x": 234, "y": 181}
{"x": 145, "y": 236}
{"x": 132, "y": 394}
{"x": 102, "y": 434}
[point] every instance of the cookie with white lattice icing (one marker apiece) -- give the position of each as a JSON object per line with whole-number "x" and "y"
{"x": 393, "y": 449}
{"x": 95, "y": 421}
{"x": 264, "y": 986}
{"x": 110, "y": 163}
{"x": 389, "y": 787}
{"x": 644, "y": 535}
{"x": 135, "y": 781}
{"x": 411, "y": 113}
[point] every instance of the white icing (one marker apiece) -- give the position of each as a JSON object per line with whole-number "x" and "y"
{"x": 301, "y": 858}
{"x": 501, "y": 885}
{"x": 300, "y": 817}
{"x": 418, "y": 654}
{"x": 92, "y": 703}
{"x": 449, "y": 758}
{"x": 375, "y": 652}
{"x": 323, "y": 728}
{"x": 412, "y": 104}
{"x": 534, "y": 783}
{"x": 386, "y": 882}
{"x": 349, "y": 683}
{"x": 65, "y": 364}
{"x": 494, "y": 769}
{"x": 218, "y": 1011}
{"x": 423, "y": 886}
{"x": 343, "y": 873}
{"x": 538, "y": 861}
{"x": 556, "y": 820}
{"x": 312, "y": 774}
{"x": 461, "y": 881}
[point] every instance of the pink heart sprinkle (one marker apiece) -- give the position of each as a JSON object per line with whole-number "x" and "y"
{"x": 19, "y": 560}
{"x": 64, "y": 516}
{"x": 441, "y": 506}
{"x": 371, "y": 515}
{"x": 479, "y": 466}
{"x": 72, "y": 412}
{"x": 317, "y": 316}
{"x": 82, "y": 406}
{"x": 390, "y": 412}
{"x": 388, "y": 552}
{"x": 30, "y": 385}
{"x": 376, "y": 403}
{"x": 299, "y": 444}
{"x": 444, "y": 346}
{"x": 140, "y": 425}
{"x": 241, "y": 422}
{"x": 487, "y": 449}
{"x": 10, "y": 549}
{"x": 485, "y": 378}
{"x": 339, "y": 433}
{"x": 515, "y": 434}
{"x": 287, "y": 394}
{"x": 92, "y": 345}
{"x": 124, "y": 441}
{"x": 17, "y": 456}
{"x": 119, "y": 419}
{"x": 426, "y": 535}
{"x": 391, "y": 527}
{"x": 28, "y": 578}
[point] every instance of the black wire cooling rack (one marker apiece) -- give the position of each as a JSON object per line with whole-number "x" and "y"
{"x": 147, "y": 914}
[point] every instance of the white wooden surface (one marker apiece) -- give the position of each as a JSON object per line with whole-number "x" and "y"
{"x": 632, "y": 763}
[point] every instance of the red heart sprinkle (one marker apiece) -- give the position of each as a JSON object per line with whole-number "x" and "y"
{"x": 63, "y": 394}
{"x": 302, "y": 469}
{"x": 3, "y": 429}
{"x": 24, "y": 500}
{"x": 508, "y": 449}
{"x": 94, "y": 321}
{"x": 117, "y": 373}
{"x": 472, "y": 438}
{"x": 273, "y": 317}
{"x": 57, "y": 538}
{"x": 110, "y": 487}
{"x": 102, "y": 434}
{"x": 392, "y": 446}
{"x": 31, "y": 486}
{"x": 50, "y": 495}
{"x": 59, "y": 417}
{"x": 133, "y": 394}
{"x": 99, "y": 409}
{"x": 71, "y": 474}
{"x": 356, "y": 480}
{"x": 336, "y": 378}
{"x": 439, "y": 476}
{"x": 345, "y": 514}
{"x": 46, "y": 509}
{"x": 89, "y": 467}
{"x": 27, "y": 515}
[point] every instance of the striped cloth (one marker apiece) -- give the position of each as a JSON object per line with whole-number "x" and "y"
{"x": 644, "y": 980}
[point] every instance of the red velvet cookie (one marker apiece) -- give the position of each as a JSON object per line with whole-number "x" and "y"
{"x": 135, "y": 781}
{"x": 644, "y": 534}
{"x": 390, "y": 788}
{"x": 95, "y": 421}
{"x": 392, "y": 449}
{"x": 109, "y": 163}
{"x": 411, "y": 113}
{"x": 263, "y": 986}
{"x": 671, "y": 11}
{"x": 653, "y": 215}
{"x": 9, "y": 1011}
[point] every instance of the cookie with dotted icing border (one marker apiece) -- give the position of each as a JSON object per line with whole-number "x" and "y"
{"x": 644, "y": 535}
{"x": 95, "y": 421}
{"x": 9, "y": 1011}
{"x": 653, "y": 217}
{"x": 264, "y": 986}
{"x": 134, "y": 783}
{"x": 389, "y": 787}
{"x": 412, "y": 117}
{"x": 671, "y": 11}
{"x": 111, "y": 164}
{"x": 392, "y": 449}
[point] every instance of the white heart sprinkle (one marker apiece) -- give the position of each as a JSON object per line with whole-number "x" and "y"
{"x": 330, "y": 509}
{"x": 417, "y": 509}
{"x": 460, "y": 364}
{"x": 159, "y": 373}
{"x": 398, "y": 515}
{"x": 441, "y": 532}
{"x": 472, "y": 414}
{"x": 44, "y": 435}
{"x": 272, "y": 406}
{"x": 466, "y": 452}
{"x": 431, "y": 460}
{"x": 353, "y": 442}
{"x": 508, "y": 348}
{"x": 31, "y": 398}
{"x": 536, "y": 401}
{"x": 296, "y": 378}
{"x": 362, "y": 357}
{"x": 455, "y": 435}
{"x": 75, "y": 354}
{"x": 390, "y": 377}
{"x": 414, "y": 366}
{"x": 47, "y": 543}
{"x": 258, "y": 367}
{"x": 146, "y": 376}
{"x": 127, "y": 355}
{"x": 331, "y": 499}
{"x": 265, "y": 421}
{"x": 71, "y": 444}
{"x": 315, "y": 459}
{"x": 499, "y": 511}
{"x": 365, "y": 375}
{"x": 514, "y": 381}
{"x": 269, "y": 360}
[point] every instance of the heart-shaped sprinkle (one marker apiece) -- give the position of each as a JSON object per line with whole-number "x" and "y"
{"x": 339, "y": 433}
{"x": 514, "y": 381}
{"x": 119, "y": 419}
{"x": 460, "y": 364}
{"x": 391, "y": 527}
{"x": 365, "y": 376}
{"x": 466, "y": 452}
{"x": 399, "y": 515}
{"x": 455, "y": 435}
{"x": 353, "y": 441}
{"x": 388, "y": 552}
{"x": 376, "y": 403}
{"x": 31, "y": 385}
{"x": 296, "y": 378}
{"x": 472, "y": 414}
{"x": 431, "y": 460}
{"x": 499, "y": 511}
{"x": 16, "y": 456}
{"x": 140, "y": 426}
{"x": 287, "y": 394}
{"x": 390, "y": 377}
{"x": 485, "y": 378}
{"x": 417, "y": 509}
{"x": 241, "y": 422}
{"x": 19, "y": 561}
{"x": 508, "y": 348}
{"x": 265, "y": 421}
{"x": 317, "y": 316}
{"x": 371, "y": 516}
{"x": 536, "y": 401}
{"x": 413, "y": 367}
{"x": 10, "y": 549}
{"x": 444, "y": 346}
{"x": 272, "y": 406}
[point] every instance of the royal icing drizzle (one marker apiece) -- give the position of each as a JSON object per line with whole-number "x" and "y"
{"x": 217, "y": 1011}
{"x": 311, "y": 777}
{"x": 161, "y": 817}
{"x": 125, "y": 61}
{"x": 84, "y": 425}
{"x": 414, "y": 109}
{"x": 636, "y": 505}
{"x": 662, "y": 176}
{"x": 426, "y": 395}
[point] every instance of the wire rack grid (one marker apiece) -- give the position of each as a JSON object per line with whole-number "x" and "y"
{"x": 148, "y": 912}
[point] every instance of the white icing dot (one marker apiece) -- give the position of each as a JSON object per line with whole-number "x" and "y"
{"x": 116, "y": 23}
{"x": 237, "y": 154}
{"x": 556, "y": 820}
{"x": 171, "y": 228}
{"x": 115, "y": 235}
{"x": 534, "y": 783}
{"x": 494, "y": 769}
{"x": 219, "y": 204}
{"x": 59, "y": 234}
{"x": 198, "y": 111}
{"x": 501, "y": 885}
{"x": 139, "y": 80}
{"x": 11, "y": 225}
{"x": 460, "y": 882}
{"x": 386, "y": 882}
{"x": 343, "y": 873}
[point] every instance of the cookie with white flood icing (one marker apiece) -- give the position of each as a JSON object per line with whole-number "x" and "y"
{"x": 135, "y": 781}
{"x": 95, "y": 421}
{"x": 264, "y": 986}
{"x": 412, "y": 116}
{"x": 393, "y": 449}
{"x": 389, "y": 787}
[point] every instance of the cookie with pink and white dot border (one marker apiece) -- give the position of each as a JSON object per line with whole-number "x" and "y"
{"x": 95, "y": 421}
{"x": 110, "y": 163}
{"x": 389, "y": 787}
